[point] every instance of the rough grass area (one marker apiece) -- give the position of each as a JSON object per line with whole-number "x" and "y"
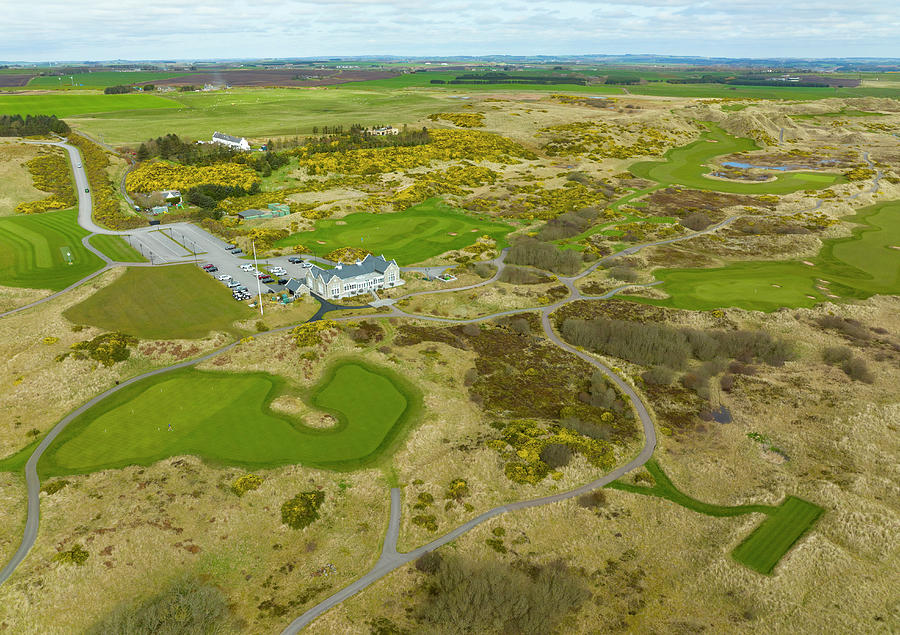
{"x": 415, "y": 235}
{"x": 226, "y": 418}
{"x": 687, "y": 165}
{"x": 17, "y": 183}
{"x": 854, "y": 267}
{"x": 768, "y": 543}
{"x": 774, "y": 537}
{"x": 44, "y": 251}
{"x": 116, "y": 248}
{"x": 161, "y": 302}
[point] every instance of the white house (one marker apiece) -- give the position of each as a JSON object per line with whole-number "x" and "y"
{"x": 345, "y": 280}
{"x": 235, "y": 143}
{"x": 385, "y": 131}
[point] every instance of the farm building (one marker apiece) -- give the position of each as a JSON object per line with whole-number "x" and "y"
{"x": 235, "y": 143}
{"x": 384, "y": 131}
{"x": 271, "y": 212}
{"x": 345, "y": 281}
{"x": 171, "y": 195}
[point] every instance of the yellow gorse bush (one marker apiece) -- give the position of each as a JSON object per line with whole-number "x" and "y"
{"x": 49, "y": 173}
{"x": 151, "y": 177}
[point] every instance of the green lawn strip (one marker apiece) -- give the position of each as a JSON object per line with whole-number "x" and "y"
{"x": 775, "y": 536}
{"x": 116, "y": 248}
{"x": 783, "y": 526}
{"x": 423, "y": 80}
{"x": 177, "y": 302}
{"x": 686, "y": 165}
{"x": 225, "y": 418}
{"x": 843, "y": 112}
{"x": 64, "y": 104}
{"x": 663, "y": 488}
{"x": 414, "y": 235}
{"x": 35, "y": 249}
{"x": 855, "y": 267}
{"x": 759, "y": 92}
{"x": 98, "y": 79}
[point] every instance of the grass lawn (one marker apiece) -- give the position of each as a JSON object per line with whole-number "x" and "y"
{"x": 44, "y": 251}
{"x": 783, "y": 526}
{"x": 775, "y": 536}
{"x": 856, "y": 267}
{"x": 18, "y": 186}
{"x": 260, "y": 113}
{"x": 225, "y": 418}
{"x": 414, "y": 235}
{"x": 100, "y": 79}
{"x": 68, "y": 104}
{"x": 687, "y": 165}
{"x": 161, "y": 303}
{"x": 116, "y": 248}
{"x": 758, "y": 92}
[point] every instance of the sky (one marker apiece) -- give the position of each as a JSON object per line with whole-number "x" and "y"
{"x": 48, "y": 30}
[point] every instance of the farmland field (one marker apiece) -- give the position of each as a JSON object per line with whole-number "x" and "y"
{"x": 44, "y": 251}
{"x": 69, "y": 104}
{"x": 414, "y": 235}
{"x": 161, "y": 302}
{"x": 259, "y": 113}
{"x": 857, "y": 266}
{"x": 774, "y": 537}
{"x": 225, "y": 417}
{"x": 99, "y": 79}
{"x": 116, "y": 248}
{"x": 686, "y": 165}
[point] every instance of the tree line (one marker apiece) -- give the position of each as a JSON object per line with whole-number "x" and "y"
{"x": 172, "y": 147}
{"x": 19, "y": 126}
{"x": 334, "y": 139}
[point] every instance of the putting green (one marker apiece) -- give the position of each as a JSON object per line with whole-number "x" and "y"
{"x": 687, "y": 166}
{"x": 44, "y": 251}
{"x": 414, "y": 235}
{"x": 856, "y": 267}
{"x": 225, "y": 418}
{"x": 160, "y": 303}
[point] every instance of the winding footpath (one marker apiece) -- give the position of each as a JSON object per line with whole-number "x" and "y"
{"x": 390, "y": 559}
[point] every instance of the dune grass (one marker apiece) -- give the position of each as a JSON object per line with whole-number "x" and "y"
{"x": 687, "y": 165}
{"x": 161, "y": 303}
{"x": 855, "y": 267}
{"x": 64, "y": 104}
{"x": 761, "y": 551}
{"x": 225, "y": 418}
{"x": 17, "y": 184}
{"x": 116, "y": 248}
{"x": 44, "y": 251}
{"x": 414, "y": 235}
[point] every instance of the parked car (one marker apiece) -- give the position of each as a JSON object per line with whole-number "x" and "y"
{"x": 262, "y": 275}
{"x": 87, "y": 190}
{"x": 294, "y": 260}
{"x": 230, "y": 247}
{"x": 233, "y": 284}
{"x": 236, "y": 251}
{"x": 247, "y": 267}
{"x": 306, "y": 265}
{"x": 223, "y": 277}
{"x": 212, "y": 270}
{"x": 282, "y": 280}
{"x": 208, "y": 266}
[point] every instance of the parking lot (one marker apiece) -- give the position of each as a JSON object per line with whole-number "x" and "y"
{"x": 242, "y": 272}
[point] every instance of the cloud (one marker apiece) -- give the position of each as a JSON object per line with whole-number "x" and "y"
{"x": 167, "y": 29}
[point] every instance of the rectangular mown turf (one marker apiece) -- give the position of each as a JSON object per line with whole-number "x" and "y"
{"x": 774, "y": 537}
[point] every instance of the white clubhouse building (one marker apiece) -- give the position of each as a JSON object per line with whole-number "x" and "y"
{"x": 344, "y": 281}
{"x": 235, "y": 143}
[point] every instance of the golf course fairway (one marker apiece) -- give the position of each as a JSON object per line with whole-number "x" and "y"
{"x": 225, "y": 418}
{"x": 854, "y": 267}
{"x": 413, "y": 235}
{"x": 44, "y": 251}
{"x": 687, "y": 165}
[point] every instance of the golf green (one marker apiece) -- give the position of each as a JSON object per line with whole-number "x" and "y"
{"x": 856, "y": 267}
{"x": 414, "y": 235}
{"x": 225, "y": 418}
{"x": 160, "y": 303}
{"x": 687, "y": 165}
{"x": 44, "y": 251}
{"x": 774, "y": 537}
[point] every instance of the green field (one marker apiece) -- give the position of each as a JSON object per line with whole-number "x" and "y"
{"x": 225, "y": 418}
{"x": 259, "y": 113}
{"x": 858, "y": 266}
{"x": 423, "y": 80}
{"x": 414, "y": 235}
{"x": 687, "y": 165}
{"x": 759, "y": 92}
{"x": 161, "y": 303}
{"x": 35, "y": 251}
{"x": 100, "y": 79}
{"x": 774, "y": 537}
{"x": 116, "y": 248}
{"x": 783, "y": 526}
{"x": 69, "y": 104}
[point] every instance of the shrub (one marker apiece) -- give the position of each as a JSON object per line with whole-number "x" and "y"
{"x": 534, "y": 253}
{"x": 107, "y": 348}
{"x": 77, "y": 555}
{"x": 857, "y": 368}
{"x": 727, "y": 383}
{"x": 429, "y": 562}
{"x": 310, "y": 333}
{"x": 425, "y": 498}
{"x": 659, "y": 376}
{"x": 245, "y": 483}
{"x": 384, "y": 626}
{"x": 697, "y": 221}
{"x": 261, "y": 326}
{"x": 836, "y": 354}
{"x": 51, "y": 488}
{"x": 517, "y": 275}
{"x": 556, "y": 455}
{"x": 186, "y": 607}
{"x": 624, "y": 273}
{"x": 496, "y": 544}
{"x": 457, "y": 489}
{"x": 302, "y": 510}
{"x": 49, "y": 173}
{"x": 592, "y": 500}
{"x": 426, "y": 521}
